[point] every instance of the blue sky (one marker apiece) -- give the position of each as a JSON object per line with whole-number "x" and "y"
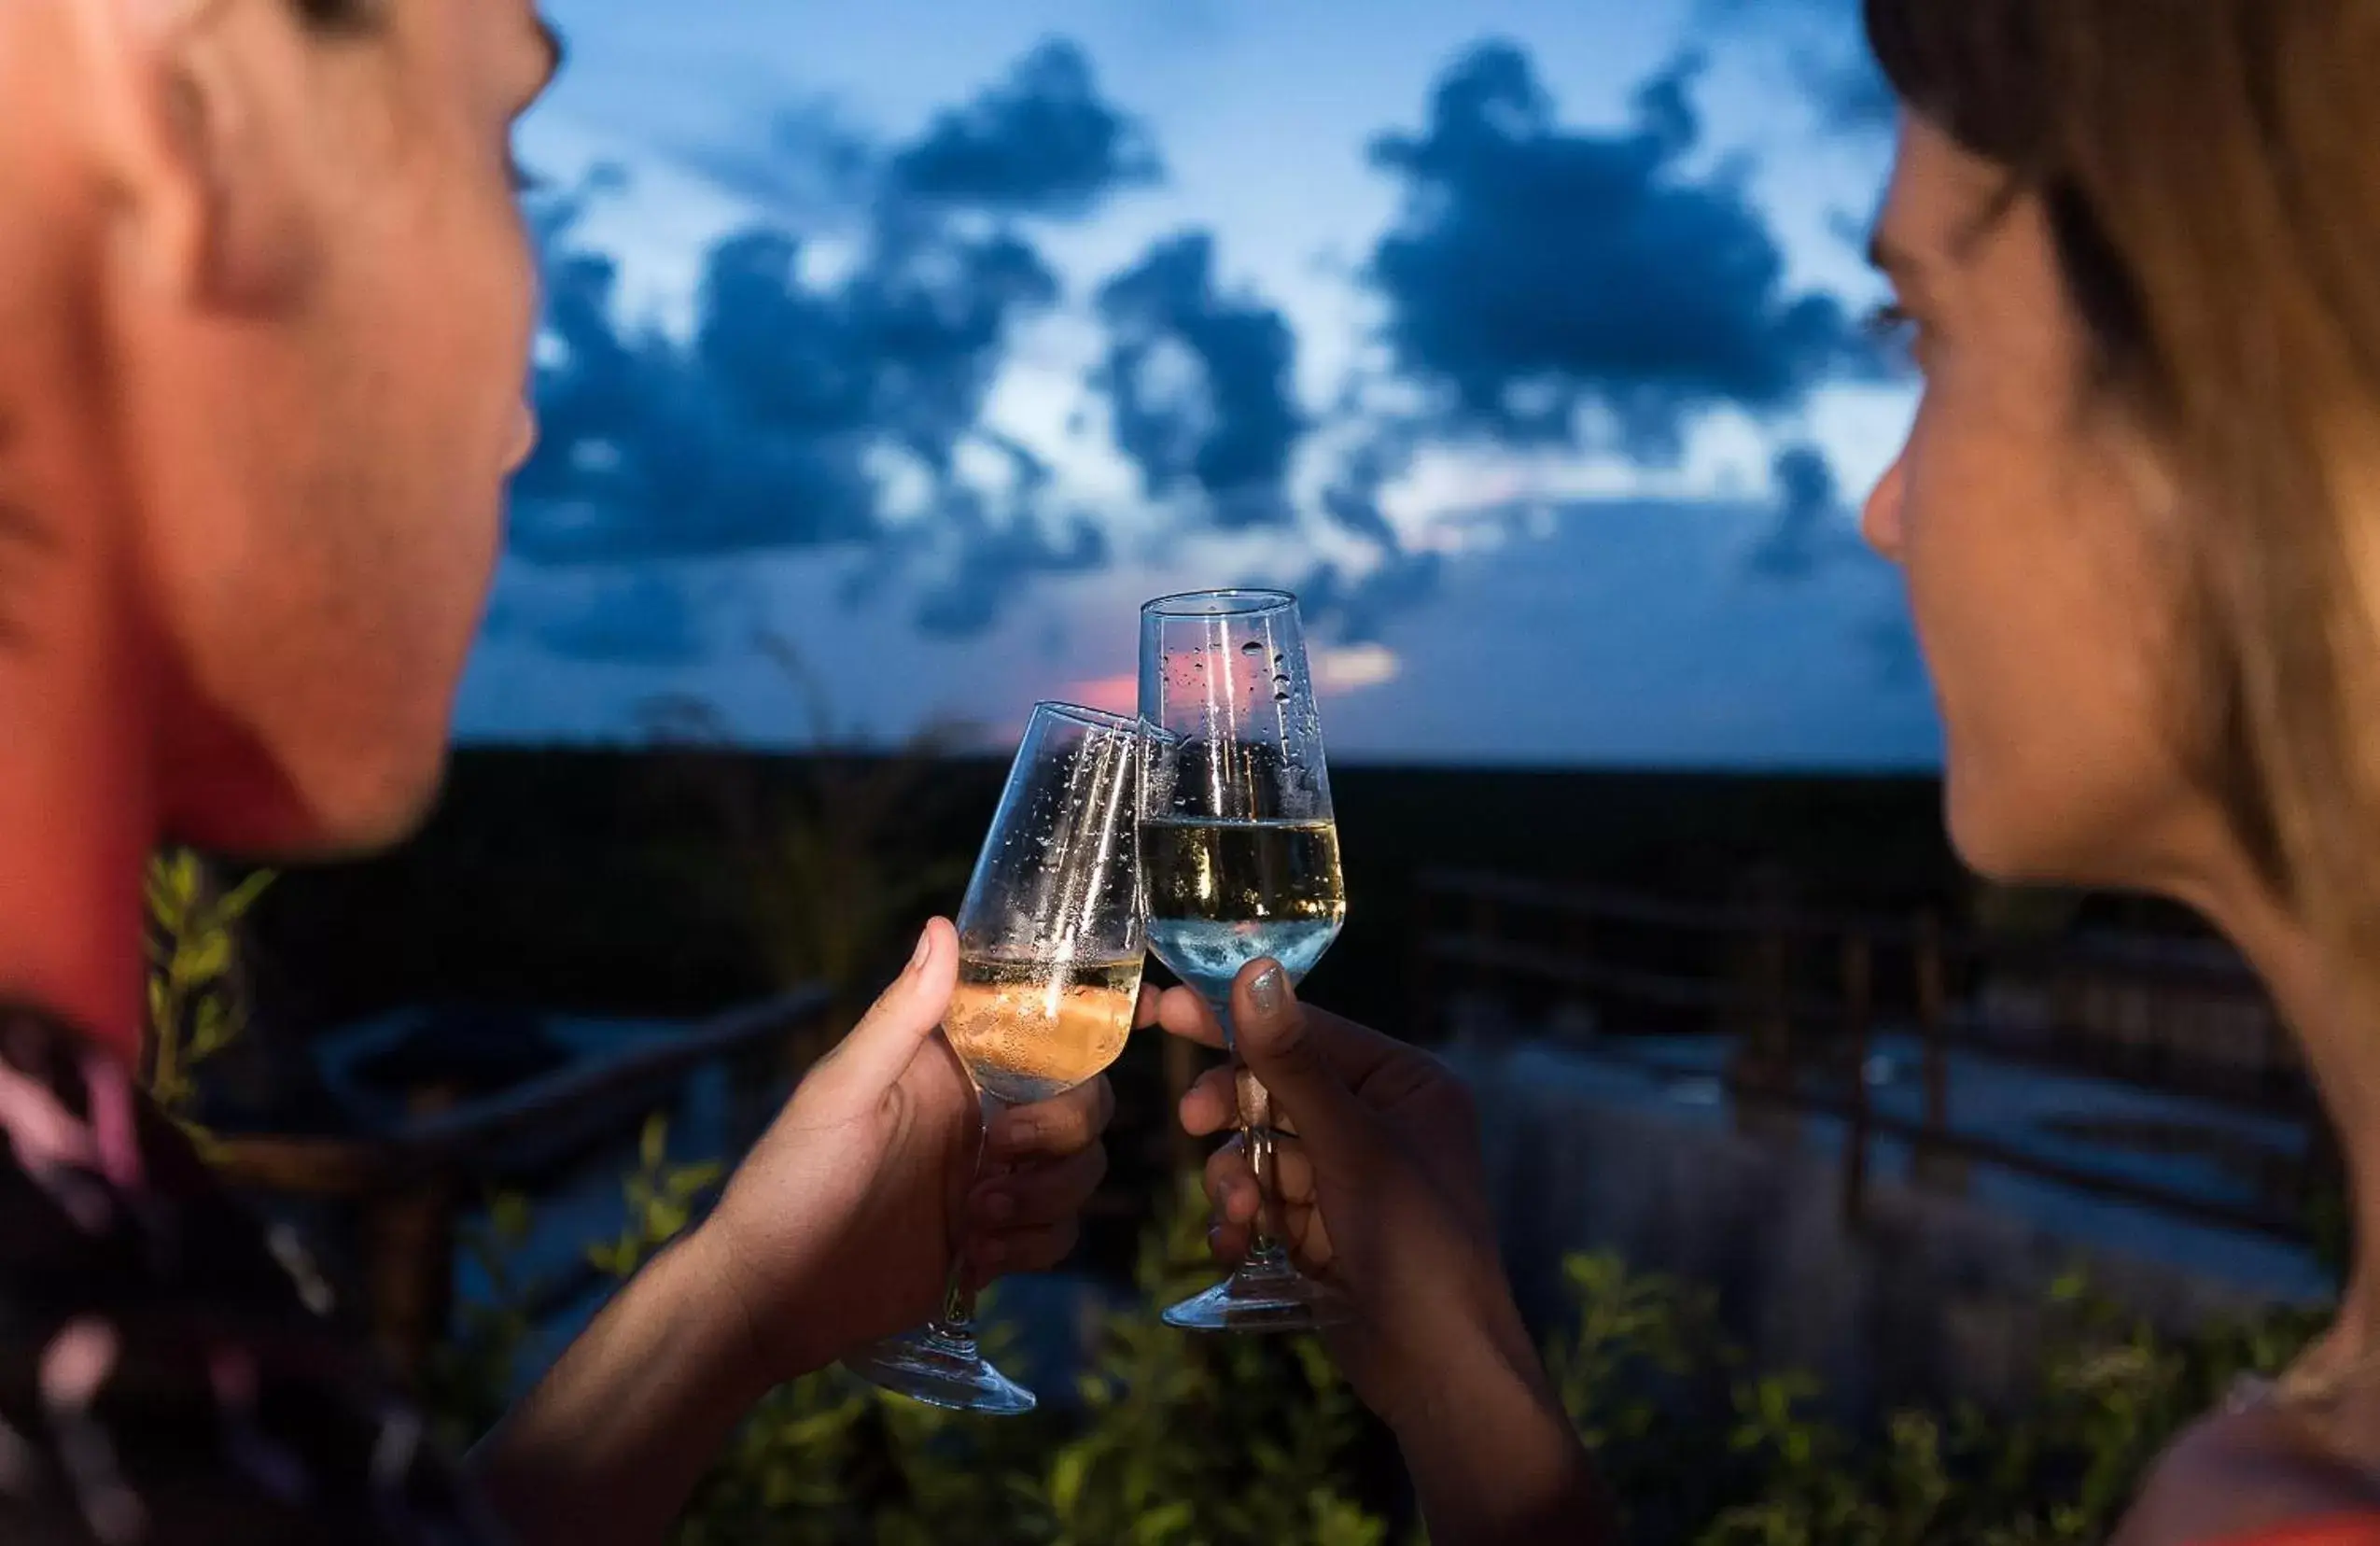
{"x": 917, "y": 342}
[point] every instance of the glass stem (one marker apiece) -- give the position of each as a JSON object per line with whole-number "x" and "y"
{"x": 1265, "y": 1254}
{"x": 957, "y": 1321}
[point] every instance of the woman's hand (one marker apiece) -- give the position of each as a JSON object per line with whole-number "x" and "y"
{"x": 839, "y": 1226}
{"x": 1383, "y": 1196}
{"x": 1383, "y": 1192}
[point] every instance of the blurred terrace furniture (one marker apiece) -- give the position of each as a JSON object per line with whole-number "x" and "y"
{"x": 1802, "y": 1001}
{"x": 405, "y": 1189}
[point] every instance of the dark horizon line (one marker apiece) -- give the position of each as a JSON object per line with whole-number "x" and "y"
{"x": 627, "y": 747}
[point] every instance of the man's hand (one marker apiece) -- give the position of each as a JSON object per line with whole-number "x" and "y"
{"x": 840, "y": 1226}
{"x": 836, "y": 1231}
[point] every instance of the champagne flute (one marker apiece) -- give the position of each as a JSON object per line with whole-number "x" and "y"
{"x": 1239, "y": 860}
{"x": 1050, "y": 944}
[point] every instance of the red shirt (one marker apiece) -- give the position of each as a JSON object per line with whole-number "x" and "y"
{"x": 2361, "y": 1530}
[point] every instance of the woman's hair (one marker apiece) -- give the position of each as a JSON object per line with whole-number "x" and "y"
{"x": 2210, "y": 171}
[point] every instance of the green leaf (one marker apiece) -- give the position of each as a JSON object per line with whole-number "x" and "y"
{"x": 1066, "y": 1476}
{"x": 689, "y": 1181}
{"x": 182, "y": 877}
{"x": 204, "y": 959}
{"x": 235, "y": 902}
{"x": 157, "y": 891}
{"x": 216, "y": 1029}
{"x": 1164, "y": 1522}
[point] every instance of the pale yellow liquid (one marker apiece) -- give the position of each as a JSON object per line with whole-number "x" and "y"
{"x": 1029, "y": 1029}
{"x": 1222, "y": 894}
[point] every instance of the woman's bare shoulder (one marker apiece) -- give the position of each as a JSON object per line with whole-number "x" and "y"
{"x": 2240, "y": 1476}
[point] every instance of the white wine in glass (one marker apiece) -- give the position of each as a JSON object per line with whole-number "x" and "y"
{"x": 1222, "y": 894}
{"x": 1240, "y": 861}
{"x": 1050, "y": 944}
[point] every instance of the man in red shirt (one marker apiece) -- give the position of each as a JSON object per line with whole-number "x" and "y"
{"x": 268, "y": 306}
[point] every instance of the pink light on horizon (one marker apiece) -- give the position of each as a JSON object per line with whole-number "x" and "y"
{"x": 1117, "y": 694}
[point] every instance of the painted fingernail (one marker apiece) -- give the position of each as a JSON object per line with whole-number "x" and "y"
{"x": 1265, "y": 993}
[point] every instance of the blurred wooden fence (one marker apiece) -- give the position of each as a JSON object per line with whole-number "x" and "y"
{"x": 1802, "y": 997}
{"x": 403, "y": 1193}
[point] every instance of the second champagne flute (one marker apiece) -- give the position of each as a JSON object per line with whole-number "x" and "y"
{"x": 1050, "y": 944}
{"x": 1239, "y": 859}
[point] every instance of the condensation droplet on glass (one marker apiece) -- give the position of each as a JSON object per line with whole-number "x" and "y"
{"x": 1252, "y": 647}
{"x": 1280, "y": 697}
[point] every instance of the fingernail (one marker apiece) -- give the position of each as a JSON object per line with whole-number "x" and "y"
{"x": 1015, "y": 1132}
{"x": 925, "y": 949}
{"x": 999, "y": 1208}
{"x": 1265, "y": 993}
{"x": 991, "y": 1252}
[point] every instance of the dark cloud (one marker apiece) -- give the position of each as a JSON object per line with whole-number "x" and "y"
{"x": 1353, "y": 498}
{"x": 1200, "y": 383}
{"x": 1042, "y": 142}
{"x": 772, "y": 424}
{"x": 753, "y": 436}
{"x": 1809, "y": 513}
{"x": 992, "y": 559}
{"x": 807, "y": 164}
{"x": 552, "y": 211}
{"x": 764, "y": 430}
{"x": 1552, "y": 285}
{"x": 1356, "y": 606}
{"x": 1355, "y": 601}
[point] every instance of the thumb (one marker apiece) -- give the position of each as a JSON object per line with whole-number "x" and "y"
{"x": 1287, "y": 1049}
{"x": 879, "y": 1049}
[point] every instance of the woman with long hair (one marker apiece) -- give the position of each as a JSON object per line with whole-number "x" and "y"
{"x": 2135, "y": 245}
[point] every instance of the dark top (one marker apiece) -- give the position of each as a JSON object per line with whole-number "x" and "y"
{"x": 168, "y": 1374}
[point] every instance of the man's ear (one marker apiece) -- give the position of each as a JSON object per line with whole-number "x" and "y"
{"x": 196, "y": 119}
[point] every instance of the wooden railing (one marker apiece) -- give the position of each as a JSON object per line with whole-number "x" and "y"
{"x": 1802, "y": 996}
{"x": 407, "y": 1190}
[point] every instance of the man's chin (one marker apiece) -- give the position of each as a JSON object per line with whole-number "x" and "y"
{"x": 329, "y": 822}
{"x": 390, "y": 816}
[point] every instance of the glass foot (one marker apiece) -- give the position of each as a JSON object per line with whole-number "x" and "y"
{"x": 1264, "y": 1295}
{"x": 942, "y": 1371}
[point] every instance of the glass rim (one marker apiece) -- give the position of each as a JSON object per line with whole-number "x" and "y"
{"x": 1083, "y": 714}
{"x": 1235, "y": 601}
